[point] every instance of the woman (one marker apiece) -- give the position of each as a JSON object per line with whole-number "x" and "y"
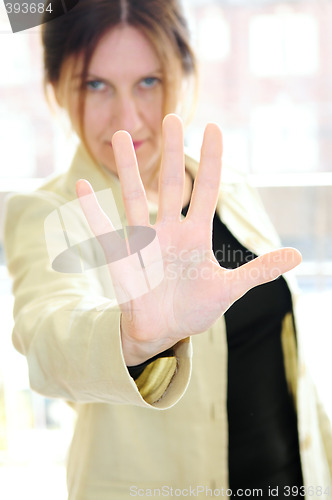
{"x": 229, "y": 418}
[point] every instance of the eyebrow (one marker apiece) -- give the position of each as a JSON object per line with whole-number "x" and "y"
{"x": 157, "y": 71}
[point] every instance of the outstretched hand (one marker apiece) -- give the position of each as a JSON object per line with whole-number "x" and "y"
{"x": 195, "y": 290}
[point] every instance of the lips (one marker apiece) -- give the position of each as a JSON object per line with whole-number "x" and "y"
{"x": 136, "y": 144}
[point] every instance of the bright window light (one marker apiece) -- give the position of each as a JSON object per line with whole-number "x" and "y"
{"x": 285, "y": 43}
{"x": 284, "y": 137}
{"x": 213, "y": 35}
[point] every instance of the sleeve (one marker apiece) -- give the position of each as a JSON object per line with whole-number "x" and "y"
{"x": 69, "y": 328}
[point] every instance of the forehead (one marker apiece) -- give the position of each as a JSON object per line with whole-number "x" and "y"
{"x": 124, "y": 51}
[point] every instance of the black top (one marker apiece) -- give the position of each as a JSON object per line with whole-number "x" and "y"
{"x": 263, "y": 440}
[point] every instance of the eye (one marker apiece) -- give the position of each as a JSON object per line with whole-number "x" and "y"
{"x": 149, "y": 82}
{"x": 96, "y": 85}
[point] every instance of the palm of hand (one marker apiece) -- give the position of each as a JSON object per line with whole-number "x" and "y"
{"x": 195, "y": 290}
{"x": 187, "y": 301}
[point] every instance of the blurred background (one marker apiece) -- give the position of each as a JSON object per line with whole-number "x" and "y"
{"x": 266, "y": 78}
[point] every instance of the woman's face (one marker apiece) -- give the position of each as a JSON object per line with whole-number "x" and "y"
{"x": 124, "y": 92}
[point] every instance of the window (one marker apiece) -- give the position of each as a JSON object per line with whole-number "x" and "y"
{"x": 284, "y": 137}
{"x": 284, "y": 43}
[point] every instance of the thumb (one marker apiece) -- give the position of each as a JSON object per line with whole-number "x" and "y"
{"x": 265, "y": 268}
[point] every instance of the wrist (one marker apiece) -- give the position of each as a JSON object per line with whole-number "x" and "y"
{"x": 137, "y": 352}
{"x": 134, "y": 352}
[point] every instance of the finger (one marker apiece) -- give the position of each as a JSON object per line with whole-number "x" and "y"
{"x": 261, "y": 270}
{"x": 171, "y": 181}
{"x": 113, "y": 243}
{"x": 133, "y": 192}
{"x": 206, "y": 188}
{"x": 96, "y": 217}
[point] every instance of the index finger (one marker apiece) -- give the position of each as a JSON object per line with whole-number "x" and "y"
{"x": 206, "y": 188}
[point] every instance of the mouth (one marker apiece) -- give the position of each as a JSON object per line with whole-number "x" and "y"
{"x": 136, "y": 144}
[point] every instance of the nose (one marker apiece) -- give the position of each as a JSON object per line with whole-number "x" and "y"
{"x": 127, "y": 114}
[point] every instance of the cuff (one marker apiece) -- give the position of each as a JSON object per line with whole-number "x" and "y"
{"x": 135, "y": 371}
{"x": 156, "y": 377}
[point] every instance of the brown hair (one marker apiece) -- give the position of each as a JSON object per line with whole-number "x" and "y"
{"x": 77, "y": 33}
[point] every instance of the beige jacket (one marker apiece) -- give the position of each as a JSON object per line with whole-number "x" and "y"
{"x": 67, "y": 325}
